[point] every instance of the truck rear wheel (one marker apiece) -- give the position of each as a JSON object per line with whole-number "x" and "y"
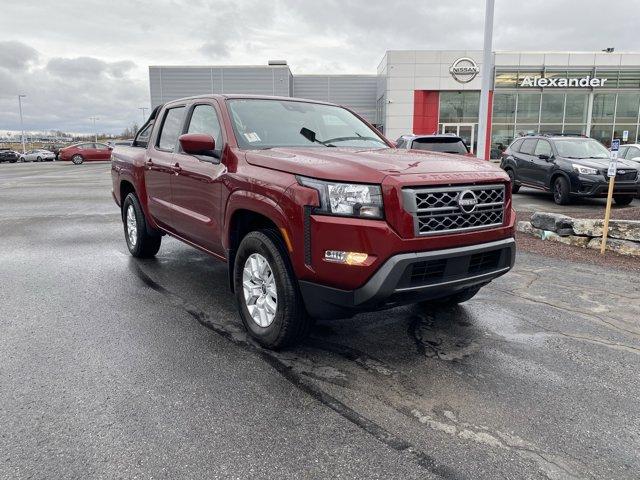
{"x": 267, "y": 291}
{"x": 141, "y": 244}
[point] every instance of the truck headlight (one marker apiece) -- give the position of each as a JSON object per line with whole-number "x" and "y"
{"x": 585, "y": 170}
{"x": 347, "y": 199}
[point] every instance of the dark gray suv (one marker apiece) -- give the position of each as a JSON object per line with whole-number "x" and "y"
{"x": 568, "y": 167}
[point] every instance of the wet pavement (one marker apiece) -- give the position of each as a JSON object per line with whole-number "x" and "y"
{"x": 112, "y": 367}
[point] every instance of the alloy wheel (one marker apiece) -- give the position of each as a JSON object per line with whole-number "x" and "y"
{"x": 132, "y": 226}
{"x": 260, "y": 291}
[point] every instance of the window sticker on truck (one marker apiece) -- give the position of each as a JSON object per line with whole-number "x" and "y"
{"x": 252, "y": 137}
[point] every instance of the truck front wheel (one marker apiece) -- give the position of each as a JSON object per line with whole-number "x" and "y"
{"x": 141, "y": 244}
{"x": 267, "y": 291}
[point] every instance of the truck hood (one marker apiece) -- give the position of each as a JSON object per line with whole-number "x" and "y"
{"x": 372, "y": 166}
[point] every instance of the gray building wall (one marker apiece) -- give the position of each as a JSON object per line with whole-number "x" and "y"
{"x": 357, "y": 92}
{"x": 171, "y": 83}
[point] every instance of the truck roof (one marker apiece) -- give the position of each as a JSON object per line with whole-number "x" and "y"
{"x": 248, "y": 96}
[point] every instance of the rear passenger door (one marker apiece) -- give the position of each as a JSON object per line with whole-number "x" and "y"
{"x": 525, "y": 161}
{"x": 196, "y": 188}
{"x": 159, "y": 165}
{"x": 541, "y": 168}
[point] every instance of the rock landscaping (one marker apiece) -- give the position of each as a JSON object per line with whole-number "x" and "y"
{"x": 623, "y": 236}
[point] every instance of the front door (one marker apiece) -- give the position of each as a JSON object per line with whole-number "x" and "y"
{"x": 196, "y": 188}
{"x": 159, "y": 167}
{"x": 466, "y": 131}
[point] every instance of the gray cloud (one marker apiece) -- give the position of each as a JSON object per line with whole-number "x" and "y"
{"x": 16, "y": 55}
{"x": 99, "y": 67}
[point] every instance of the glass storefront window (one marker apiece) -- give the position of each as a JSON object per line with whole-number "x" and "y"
{"x": 575, "y": 129}
{"x": 610, "y": 75}
{"x": 618, "y": 132}
{"x": 551, "y": 128}
{"x": 528, "y": 108}
{"x": 627, "y": 107}
{"x": 506, "y": 80}
{"x": 552, "y": 108}
{"x": 504, "y": 108}
{"x": 629, "y": 79}
{"x": 604, "y": 105}
{"x": 501, "y": 137}
{"x": 602, "y": 133}
{"x": 456, "y": 107}
{"x": 523, "y": 129}
{"x": 576, "y": 108}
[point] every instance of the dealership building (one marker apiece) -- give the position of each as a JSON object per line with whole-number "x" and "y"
{"x": 423, "y": 91}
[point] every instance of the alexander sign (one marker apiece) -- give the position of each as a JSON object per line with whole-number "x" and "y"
{"x": 543, "y": 82}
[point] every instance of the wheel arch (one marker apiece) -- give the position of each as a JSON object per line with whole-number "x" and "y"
{"x": 556, "y": 174}
{"x": 249, "y": 212}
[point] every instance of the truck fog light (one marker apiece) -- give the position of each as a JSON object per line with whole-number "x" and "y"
{"x": 348, "y": 258}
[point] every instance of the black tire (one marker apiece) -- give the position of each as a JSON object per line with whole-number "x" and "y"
{"x": 77, "y": 159}
{"x": 291, "y": 323}
{"x": 623, "y": 199}
{"x": 454, "y": 299}
{"x": 512, "y": 176}
{"x": 38, "y": 159}
{"x": 561, "y": 191}
{"x": 146, "y": 245}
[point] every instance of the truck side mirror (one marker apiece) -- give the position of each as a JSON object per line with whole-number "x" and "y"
{"x": 198, "y": 144}
{"x": 544, "y": 156}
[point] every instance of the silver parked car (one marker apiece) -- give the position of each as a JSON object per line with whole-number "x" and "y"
{"x": 37, "y": 155}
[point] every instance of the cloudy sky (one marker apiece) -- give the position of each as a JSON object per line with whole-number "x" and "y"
{"x": 79, "y": 58}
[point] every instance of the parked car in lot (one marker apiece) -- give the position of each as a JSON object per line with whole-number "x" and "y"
{"x": 85, "y": 152}
{"x": 37, "y": 155}
{"x": 55, "y": 148}
{"x": 445, "y": 143}
{"x": 568, "y": 167}
{"x": 313, "y": 210}
{"x": 7, "y": 155}
{"x": 630, "y": 151}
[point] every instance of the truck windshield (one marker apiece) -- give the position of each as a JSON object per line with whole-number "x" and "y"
{"x": 263, "y": 123}
{"x": 581, "y": 148}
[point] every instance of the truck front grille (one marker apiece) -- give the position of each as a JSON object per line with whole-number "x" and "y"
{"x": 456, "y": 208}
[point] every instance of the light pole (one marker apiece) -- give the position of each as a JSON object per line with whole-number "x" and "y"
{"x": 144, "y": 116}
{"x": 20, "y": 97}
{"x": 487, "y": 64}
{"x": 95, "y": 132}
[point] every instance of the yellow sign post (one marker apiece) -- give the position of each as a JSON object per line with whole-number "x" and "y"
{"x": 615, "y": 146}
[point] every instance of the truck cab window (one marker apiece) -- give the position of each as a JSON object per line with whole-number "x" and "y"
{"x": 171, "y": 129}
{"x": 205, "y": 120}
{"x": 142, "y": 139}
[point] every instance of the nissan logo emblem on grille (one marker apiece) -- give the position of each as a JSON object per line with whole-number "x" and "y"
{"x": 467, "y": 201}
{"x": 622, "y": 172}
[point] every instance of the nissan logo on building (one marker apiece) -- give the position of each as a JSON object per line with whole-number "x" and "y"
{"x": 467, "y": 201}
{"x": 464, "y": 70}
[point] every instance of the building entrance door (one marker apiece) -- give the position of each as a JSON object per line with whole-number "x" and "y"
{"x": 466, "y": 131}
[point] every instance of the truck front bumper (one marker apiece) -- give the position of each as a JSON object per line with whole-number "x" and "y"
{"x": 414, "y": 277}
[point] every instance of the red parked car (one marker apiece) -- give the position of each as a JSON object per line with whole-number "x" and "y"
{"x": 313, "y": 210}
{"x": 85, "y": 152}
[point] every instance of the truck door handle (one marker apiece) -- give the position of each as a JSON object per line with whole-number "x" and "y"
{"x": 149, "y": 163}
{"x": 176, "y": 168}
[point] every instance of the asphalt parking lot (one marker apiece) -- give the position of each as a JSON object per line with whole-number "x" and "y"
{"x": 112, "y": 367}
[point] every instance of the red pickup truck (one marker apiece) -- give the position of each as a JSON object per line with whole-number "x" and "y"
{"x": 316, "y": 214}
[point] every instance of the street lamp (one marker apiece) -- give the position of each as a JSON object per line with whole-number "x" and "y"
{"x": 487, "y": 65}
{"x": 95, "y": 132}
{"x": 20, "y": 97}
{"x": 144, "y": 116}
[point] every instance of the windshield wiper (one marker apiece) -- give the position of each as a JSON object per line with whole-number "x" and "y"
{"x": 358, "y": 137}
{"x": 311, "y": 136}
